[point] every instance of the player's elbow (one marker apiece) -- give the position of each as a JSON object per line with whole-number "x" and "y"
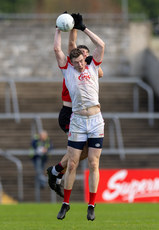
{"x": 56, "y": 49}
{"x": 102, "y": 45}
{"x": 100, "y": 74}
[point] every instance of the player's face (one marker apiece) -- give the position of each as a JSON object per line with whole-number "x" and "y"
{"x": 85, "y": 52}
{"x": 79, "y": 63}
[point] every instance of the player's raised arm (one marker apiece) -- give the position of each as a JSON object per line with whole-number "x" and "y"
{"x": 72, "y": 40}
{"x": 98, "y": 42}
{"x": 60, "y": 56}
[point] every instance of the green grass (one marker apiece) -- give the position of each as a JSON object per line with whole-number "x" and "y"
{"x": 108, "y": 216}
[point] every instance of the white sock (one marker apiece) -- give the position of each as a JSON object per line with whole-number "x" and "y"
{"x": 58, "y": 181}
{"x": 91, "y": 205}
{"x": 54, "y": 172}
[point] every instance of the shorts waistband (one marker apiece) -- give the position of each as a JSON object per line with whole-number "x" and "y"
{"x": 86, "y": 117}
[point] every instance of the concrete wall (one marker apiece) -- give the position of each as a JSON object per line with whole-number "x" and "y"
{"x": 151, "y": 70}
{"x": 140, "y": 35}
{"x": 27, "y": 48}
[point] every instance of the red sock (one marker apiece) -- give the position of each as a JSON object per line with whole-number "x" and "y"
{"x": 67, "y": 194}
{"x": 92, "y": 197}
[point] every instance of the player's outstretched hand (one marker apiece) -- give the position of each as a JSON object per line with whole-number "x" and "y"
{"x": 78, "y": 22}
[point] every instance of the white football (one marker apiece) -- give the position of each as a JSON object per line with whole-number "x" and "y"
{"x": 65, "y": 22}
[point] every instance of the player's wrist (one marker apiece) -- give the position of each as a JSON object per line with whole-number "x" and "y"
{"x": 57, "y": 29}
{"x": 83, "y": 27}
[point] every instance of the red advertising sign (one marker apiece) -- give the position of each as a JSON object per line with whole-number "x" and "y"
{"x": 126, "y": 185}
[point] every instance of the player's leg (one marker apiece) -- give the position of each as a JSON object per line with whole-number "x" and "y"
{"x": 76, "y": 142}
{"x": 60, "y": 168}
{"x": 93, "y": 164}
{"x": 95, "y": 144}
{"x": 74, "y": 153}
{"x": 64, "y": 122}
{"x": 73, "y": 161}
{"x": 55, "y": 173}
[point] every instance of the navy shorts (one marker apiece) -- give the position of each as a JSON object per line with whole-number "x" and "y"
{"x": 92, "y": 142}
{"x": 64, "y": 118}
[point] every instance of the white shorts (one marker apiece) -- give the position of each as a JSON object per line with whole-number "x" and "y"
{"x": 84, "y": 127}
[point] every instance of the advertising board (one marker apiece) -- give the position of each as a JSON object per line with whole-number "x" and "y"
{"x": 126, "y": 185}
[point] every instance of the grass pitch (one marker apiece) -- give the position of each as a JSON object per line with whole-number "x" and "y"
{"x": 143, "y": 216}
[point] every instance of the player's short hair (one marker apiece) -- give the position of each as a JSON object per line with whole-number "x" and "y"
{"x": 83, "y": 47}
{"x": 75, "y": 53}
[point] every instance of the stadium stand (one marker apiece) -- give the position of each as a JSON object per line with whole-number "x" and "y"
{"x": 29, "y": 103}
{"x": 15, "y": 136}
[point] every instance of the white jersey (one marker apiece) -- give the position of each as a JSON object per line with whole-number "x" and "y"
{"x": 83, "y": 87}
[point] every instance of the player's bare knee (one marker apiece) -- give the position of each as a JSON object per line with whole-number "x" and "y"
{"x": 72, "y": 166}
{"x": 93, "y": 166}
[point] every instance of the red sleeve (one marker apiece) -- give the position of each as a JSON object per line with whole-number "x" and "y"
{"x": 65, "y": 93}
{"x": 68, "y": 61}
{"x": 96, "y": 63}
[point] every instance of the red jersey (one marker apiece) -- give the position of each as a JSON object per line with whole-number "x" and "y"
{"x": 65, "y": 92}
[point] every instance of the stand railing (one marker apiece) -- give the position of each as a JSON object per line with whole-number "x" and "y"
{"x": 19, "y": 167}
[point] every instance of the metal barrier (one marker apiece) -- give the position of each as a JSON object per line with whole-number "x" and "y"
{"x": 150, "y": 95}
{"x": 134, "y": 80}
{"x": 138, "y": 84}
{"x": 115, "y": 117}
{"x": 120, "y": 149}
{"x": 11, "y": 88}
{"x": 119, "y": 137}
{"x": 19, "y": 166}
{"x": 37, "y": 125}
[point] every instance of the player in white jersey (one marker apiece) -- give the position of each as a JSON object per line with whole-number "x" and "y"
{"x": 55, "y": 173}
{"x": 86, "y": 122}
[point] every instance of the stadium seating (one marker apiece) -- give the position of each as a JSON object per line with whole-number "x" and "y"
{"x": 27, "y": 58}
{"x": 115, "y": 97}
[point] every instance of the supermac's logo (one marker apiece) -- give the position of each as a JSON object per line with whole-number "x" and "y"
{"x": 130, "y": 190}
{"x": 84, "y": 77}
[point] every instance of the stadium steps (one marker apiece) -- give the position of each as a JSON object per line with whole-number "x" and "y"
{"x": 9, "y": 180}
{"x": 9, "y": 175}
{"x": 118, "y": 97}
{"x": 138, "y": 133}
{"x": 15, "y": 135}
{"x": 39, "y": 96}
{"x": 46, "y": 97}
{"x": 2, "y": 97}
{"x": 114, "y": 97}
